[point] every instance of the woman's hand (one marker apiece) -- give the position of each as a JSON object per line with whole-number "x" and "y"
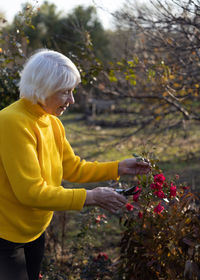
{"x": 106, "y": 198}
{"x": 132, "y": 166}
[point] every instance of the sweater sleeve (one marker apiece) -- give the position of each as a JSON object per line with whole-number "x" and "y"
{"x": 81, "y": 171}
{"x": 18, "y": 147}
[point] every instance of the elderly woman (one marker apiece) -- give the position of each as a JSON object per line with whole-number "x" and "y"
{"x": 34, "y": 158}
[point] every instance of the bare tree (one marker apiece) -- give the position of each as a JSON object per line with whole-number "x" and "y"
{"x": 157, "y": 62}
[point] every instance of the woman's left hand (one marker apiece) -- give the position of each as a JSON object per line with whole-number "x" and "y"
{"x": 132, "y": 166}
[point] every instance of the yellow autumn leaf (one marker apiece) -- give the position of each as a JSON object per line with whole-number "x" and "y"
{"x": 177, "y": 85}
{"x": 85, "y": 261}
{"x": 188, "y": 220}
{"x": 165, "y": 79}
{"x": 158, "y": 118}
{"x": 160, "y": 252}
{"x": 190, "y": 90}
{"x": 180, "y": 251}
{"x": 158, "y": 110}
{"x": 182, "y": 92}
{"x": 169, "y": 41}
{"x": 197, "y": 85}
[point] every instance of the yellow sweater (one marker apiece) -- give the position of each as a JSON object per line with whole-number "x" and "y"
{"x": 34, "y": 157}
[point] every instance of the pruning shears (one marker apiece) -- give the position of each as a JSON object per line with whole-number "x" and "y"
{"x": 127, "y": 192}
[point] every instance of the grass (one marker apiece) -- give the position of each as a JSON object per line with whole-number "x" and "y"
{"x": 177, "y": 150}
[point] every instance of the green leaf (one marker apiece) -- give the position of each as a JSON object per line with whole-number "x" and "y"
{"x": 131, "y": 63}
{"x": 112, "y": 76}
{"x": 133, "y": 82}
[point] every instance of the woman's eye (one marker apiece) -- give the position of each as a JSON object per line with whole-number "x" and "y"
{"x": 68, "y": 91}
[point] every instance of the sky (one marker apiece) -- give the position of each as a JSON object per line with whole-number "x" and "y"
{"x": 11, "y": 7}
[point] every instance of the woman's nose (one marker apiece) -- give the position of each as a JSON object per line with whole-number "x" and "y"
{"x": 70, "y": 98}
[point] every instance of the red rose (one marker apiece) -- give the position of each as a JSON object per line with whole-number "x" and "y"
{"x": 129, "y": 207}
{"x": 98, "y": 219}
{"x": 102, "y": 255}
{"x": 158, "y": 209}
{"x": 156, "y": 186}
{"x": 165, "y": 185}
{"x": 153, "y": 186}
{"x": 159, "y": 194}
{"x": 136, "y": 196}
{"x": 159, "y": 178}
{"x": 172, "y": 190}
{"x": 40, "y": 276}
{"x": 140, "y": 215}
{"x": 103, "y": 216}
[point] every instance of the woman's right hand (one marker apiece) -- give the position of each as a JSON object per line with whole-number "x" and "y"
{"x": 106, "y": 198}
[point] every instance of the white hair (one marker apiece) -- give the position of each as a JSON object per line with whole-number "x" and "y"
{"x": 45, "y": 73}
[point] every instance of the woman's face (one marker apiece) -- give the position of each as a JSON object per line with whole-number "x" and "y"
{"x": 58, "y": 102}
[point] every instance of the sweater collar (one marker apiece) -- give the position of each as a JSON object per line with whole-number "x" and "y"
{"x": 36, "y": 110}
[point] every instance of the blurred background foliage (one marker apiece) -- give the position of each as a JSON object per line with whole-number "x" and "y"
{"x": 139, "y": 91}
{"x": 150, "y": 60}
{"x": 141, "y": 76}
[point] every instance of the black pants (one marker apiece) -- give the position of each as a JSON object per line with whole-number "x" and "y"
{"x": 21, "y": 261}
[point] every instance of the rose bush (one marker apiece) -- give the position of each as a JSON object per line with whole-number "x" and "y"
{"x": 161, "y": 239}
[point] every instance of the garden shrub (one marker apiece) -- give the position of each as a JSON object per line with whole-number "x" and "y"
{"x": 161, "y": 239}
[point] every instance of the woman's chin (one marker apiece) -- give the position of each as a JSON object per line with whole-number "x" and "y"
{"x": 60, "y": 111}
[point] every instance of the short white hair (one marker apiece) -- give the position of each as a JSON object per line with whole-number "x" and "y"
{"x": 45, "y": 73}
